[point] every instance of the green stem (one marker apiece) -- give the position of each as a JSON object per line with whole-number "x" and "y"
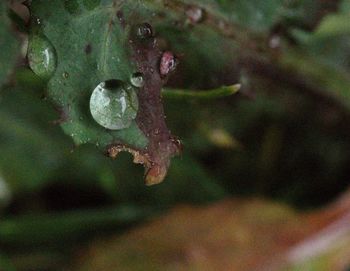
{"x": 201, "y": 94}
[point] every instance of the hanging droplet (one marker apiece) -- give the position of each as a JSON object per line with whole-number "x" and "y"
{"x": 114, "y": 105}
{"x": 194, "y": 14}
{"x": 144, "y": 31}
{"x": 137, "y": 80}
{"x": 41, "y": 56}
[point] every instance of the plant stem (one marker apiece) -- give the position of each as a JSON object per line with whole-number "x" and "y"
{"x": 201, "y": 94}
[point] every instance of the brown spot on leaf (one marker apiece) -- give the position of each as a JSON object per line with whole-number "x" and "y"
{"x": 63, "y": 115}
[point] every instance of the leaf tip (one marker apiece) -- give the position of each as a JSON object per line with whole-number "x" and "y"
{"x": 155, "y": 175}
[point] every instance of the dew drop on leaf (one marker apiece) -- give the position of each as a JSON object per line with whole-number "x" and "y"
{"x": 41, "y": 56}
{"x": 114, "y": 104}
{"x": 194, "y": 14}
{"x": 137, "y": 80}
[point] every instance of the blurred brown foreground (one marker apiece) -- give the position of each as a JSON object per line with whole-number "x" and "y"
{"x": 236, "y": 234}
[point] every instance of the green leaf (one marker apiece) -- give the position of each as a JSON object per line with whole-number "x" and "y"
{"x": 8, "y": 44}
{"x": 98, "y": 42}
{"x": 334, "y": 25}
{"x": 93, "y": 50}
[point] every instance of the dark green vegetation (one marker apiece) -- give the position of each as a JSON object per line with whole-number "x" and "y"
{"x": 285, "y": 135}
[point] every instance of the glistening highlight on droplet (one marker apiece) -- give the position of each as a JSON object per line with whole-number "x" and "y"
{"x": 137, "y": 80}
{"x": 114, "y": 104}
{"x": 41, "y": 56}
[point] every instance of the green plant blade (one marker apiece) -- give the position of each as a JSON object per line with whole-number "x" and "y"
{"x": 201, "y": 94}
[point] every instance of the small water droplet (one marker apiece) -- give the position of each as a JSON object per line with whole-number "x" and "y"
{"x": 194, "y": 14}
{"x": 275, "y": 42}
{"x": 144, "y": 31}
{"x": 137, "y": 80}
{"x": 41, "y": 56}
{"x": 114, "y": 104}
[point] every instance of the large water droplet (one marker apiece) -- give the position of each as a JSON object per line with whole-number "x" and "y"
{"x": 114, "y": 104}
{"x": 137, "y": 80}
{"x": 41, "y": 56}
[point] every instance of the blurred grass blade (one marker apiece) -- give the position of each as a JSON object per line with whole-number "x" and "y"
{"x": 201, "y": 94}
{"x": 334, "y": 25}
{"x": 34, "y": 230}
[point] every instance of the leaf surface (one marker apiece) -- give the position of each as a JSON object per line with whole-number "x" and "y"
{"x": 94, "y": 42}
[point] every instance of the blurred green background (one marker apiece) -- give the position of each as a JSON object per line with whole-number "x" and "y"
{"x": 285, "y": 136}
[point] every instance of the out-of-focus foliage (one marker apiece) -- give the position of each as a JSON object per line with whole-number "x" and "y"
{"x": 285, "y": 136}
{"x": 231, "y": 235}
{"x": 8, "y": 44}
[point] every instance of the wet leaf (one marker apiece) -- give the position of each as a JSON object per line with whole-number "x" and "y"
{"x": 97, "y": 42}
